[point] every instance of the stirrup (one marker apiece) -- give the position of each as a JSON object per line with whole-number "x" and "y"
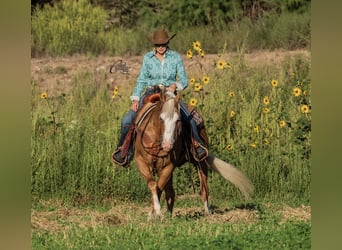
{"x": 118, "y": 159}
{"x": 203, "y": 154}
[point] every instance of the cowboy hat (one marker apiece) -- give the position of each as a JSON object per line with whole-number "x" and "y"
{"x": 160, "y": 37}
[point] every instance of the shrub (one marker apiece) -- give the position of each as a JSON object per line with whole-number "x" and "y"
{"x": 67, "y": 28}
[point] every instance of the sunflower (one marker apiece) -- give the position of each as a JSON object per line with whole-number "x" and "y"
{"x": 43, "y": 95}
{"x": 115, "y": 92}
{"x": 253, "y": 145}
{"x": 189, "y": 54}
{"x": 266, "y": 100}
{"x": 198, "y": 87}
{"x": 296, "y": 91}
{"x": 205, "y": 79}
{"x": 193, "y": 102}
{"x": 282, "y": 123}
{"x": 266, "y": 110}
{"x": 196, "y": 45}
{"x": 232, "y": 113}
{"x": 231, "y": 94}
{"x": 201, "y": 52}
{"x": 265, "y": 141}
{"x": 305, "y": 109}
{"x": 228, "y": 65}
{"x": 229, "y": 147}
{"x": 256, "y": 129}
{"x": 192, "y": 81}
{"x": 274, "y": 83}
{"x": 220, "y": 64}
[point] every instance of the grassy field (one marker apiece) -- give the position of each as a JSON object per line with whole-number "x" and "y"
{"x": 257, "y": 111}
{"x": 117, "y": 225}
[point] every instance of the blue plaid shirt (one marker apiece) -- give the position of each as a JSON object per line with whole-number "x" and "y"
{"x": 154, "y": 72}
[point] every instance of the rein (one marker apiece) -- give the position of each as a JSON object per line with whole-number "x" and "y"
{"x": 153, "y": 148}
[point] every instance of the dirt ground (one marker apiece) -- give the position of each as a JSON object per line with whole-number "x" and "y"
{"x": 55, "y": 74}
{"x": 60, "y": 218}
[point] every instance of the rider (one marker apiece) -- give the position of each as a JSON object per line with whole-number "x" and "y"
{"x": 162, "y": 66}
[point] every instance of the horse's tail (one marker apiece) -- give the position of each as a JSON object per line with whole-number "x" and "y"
{"x": 232, "y": 174}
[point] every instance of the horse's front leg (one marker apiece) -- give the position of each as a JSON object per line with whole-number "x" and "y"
{"x": 155, "y": 194}
{"x": 165, "y": 183}
{"x": 169, "y": 195}
{"x": 152, "y": 186}
{"x": 203, "y": 176}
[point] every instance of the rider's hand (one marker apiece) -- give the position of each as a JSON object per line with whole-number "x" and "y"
{"x": 135, "y": 105}
{"x": 172, "y": 88}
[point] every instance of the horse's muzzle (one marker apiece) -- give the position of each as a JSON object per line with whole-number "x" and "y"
{"x": 167, "y": 146}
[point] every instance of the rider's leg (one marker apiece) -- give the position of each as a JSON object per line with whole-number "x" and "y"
{"x": 126, "y": 124}
{"x": 200, "y": 145}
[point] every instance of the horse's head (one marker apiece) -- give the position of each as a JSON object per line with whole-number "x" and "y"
{"x": 170, "y": 116}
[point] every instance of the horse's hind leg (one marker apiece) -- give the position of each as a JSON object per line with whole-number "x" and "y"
{"x": 169, "y": 195}
{"x": 203, "y": 176}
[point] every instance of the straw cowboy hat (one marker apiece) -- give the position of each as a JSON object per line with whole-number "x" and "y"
{"x": 161, "y": 37}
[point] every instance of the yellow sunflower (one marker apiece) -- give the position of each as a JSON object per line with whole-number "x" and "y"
{"x": 228, "y": 65}
{"x": 266, "y": 100}
{"x": 282, "y": 123}
{"x": 192, "y": 81}
{"x": 220, "y": 64}
{"x": 274, "y": 83}
{"x": 229, "y": 147}
{"x": 198, "y": 86}
{"x": 193, "y": 102}
{"x": 305, "y": 109}
{"x": 205, "y": 79}
{"x": 115, "y": 92}
{"x": 232, "y": 113}
{"x": 201, "y": 52}
{"x": 296, "y": 91}
{"x": 231, "y": 94}
{"x": 253, "y": 145}
{"x": 256, "y": 129}
{"x": 196, "y": 45}
{"x": 43, "y": 95}
{"x": 266, "y": 110}
{"x": 189, "y": 54}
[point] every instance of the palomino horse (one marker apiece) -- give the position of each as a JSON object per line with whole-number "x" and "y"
{"x": 159, "y": 148}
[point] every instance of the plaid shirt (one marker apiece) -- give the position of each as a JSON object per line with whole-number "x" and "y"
{"x": 154, "y": 72}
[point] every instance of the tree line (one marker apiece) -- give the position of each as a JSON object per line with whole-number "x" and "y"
{"x": 178, "y": 13}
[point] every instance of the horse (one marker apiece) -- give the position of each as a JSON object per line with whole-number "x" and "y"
{"x": 160, "y": 146}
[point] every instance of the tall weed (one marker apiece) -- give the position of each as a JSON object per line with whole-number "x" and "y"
{"x": 258, "y": 118}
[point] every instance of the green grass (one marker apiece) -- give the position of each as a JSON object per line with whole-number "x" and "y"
{"x": 126, "y": 228}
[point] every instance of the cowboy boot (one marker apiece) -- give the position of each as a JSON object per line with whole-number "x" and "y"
{"x": 124, "y": 153}
{"x": 200, "y": 152}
